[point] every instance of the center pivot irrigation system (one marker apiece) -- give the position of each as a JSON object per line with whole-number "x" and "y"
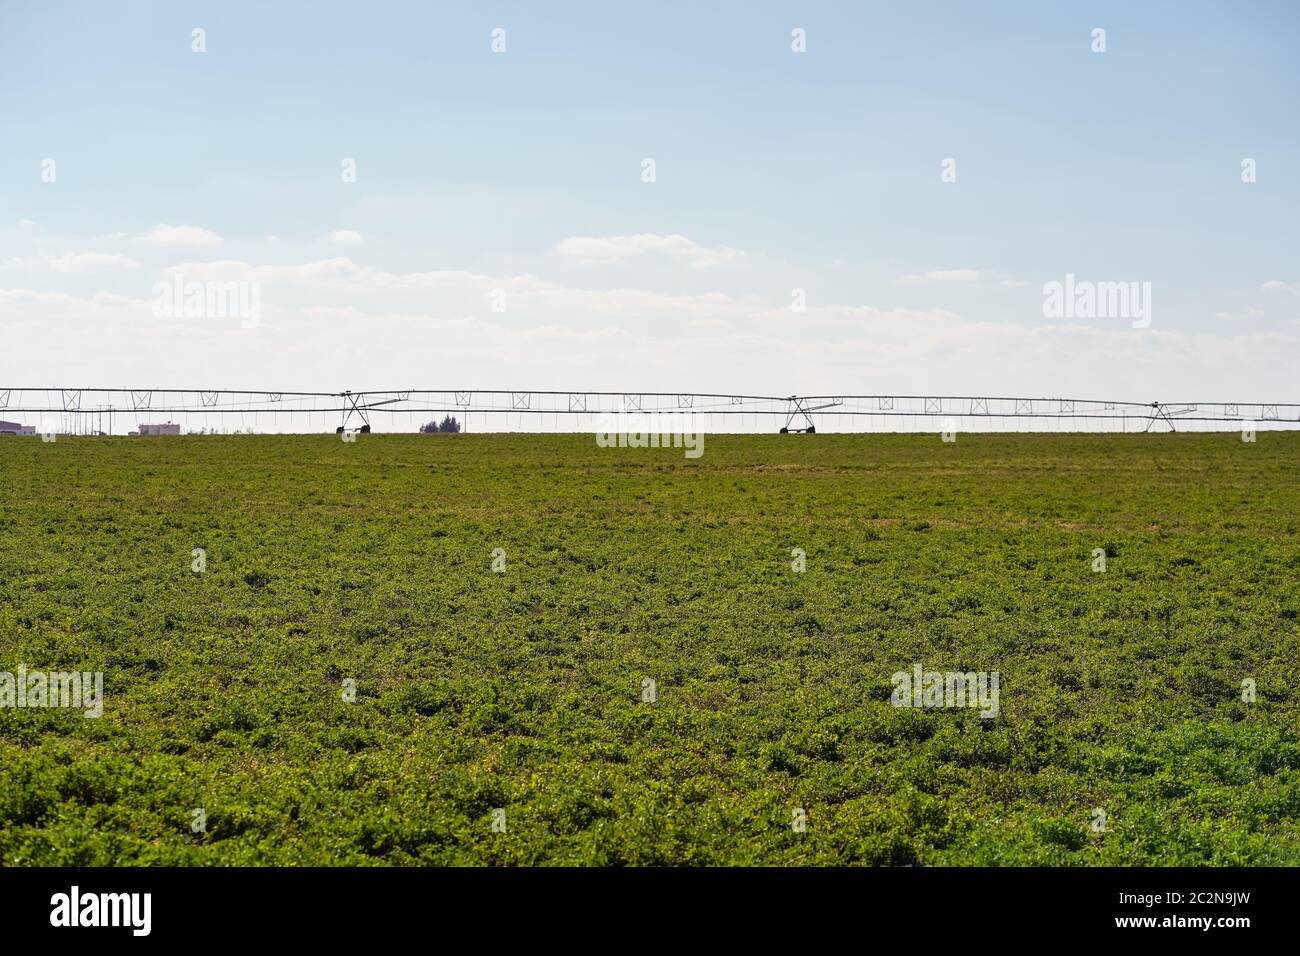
{"x": 89, "y": 410}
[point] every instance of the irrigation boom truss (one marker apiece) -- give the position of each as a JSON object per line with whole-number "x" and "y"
{"x": 355, "y": 408}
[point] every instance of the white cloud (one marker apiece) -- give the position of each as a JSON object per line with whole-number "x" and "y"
{"x": 26, "y": 222}
{"x": 554, "y": 336}
{"x": 1013, "y": 283}
{"x": 469, "y": 290}
{"x": 226, "y": 270}
{"x": 621, "y": 248}
{"x": 1275, "y": 285}
{"x": 944, "y": 275}
{"x": 345, "y": 312}
{"x": 163, "y": 234}
{"x": 901, "y": 322}
{"x": 1235, "y": 316}
{"x": 90, "y": 262}
{"x": 38, "y": 307}
{"x": 345, "y": 236}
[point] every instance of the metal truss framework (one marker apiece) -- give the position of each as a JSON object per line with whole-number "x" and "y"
{"x": 353, "y": 407}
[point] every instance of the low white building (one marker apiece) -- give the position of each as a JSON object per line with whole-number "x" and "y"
{"x": 168, "y": 429}
{"x": 13, "y": 428}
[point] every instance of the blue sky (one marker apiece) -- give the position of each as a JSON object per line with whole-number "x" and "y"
{"x": 774, "y": 171}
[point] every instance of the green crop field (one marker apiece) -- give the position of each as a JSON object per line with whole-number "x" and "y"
{"x": 649, "y": 680}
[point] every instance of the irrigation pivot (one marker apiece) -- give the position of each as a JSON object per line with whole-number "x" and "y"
{"x": 86, "y": 410}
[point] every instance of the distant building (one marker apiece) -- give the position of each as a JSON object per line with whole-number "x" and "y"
{"x": 13, "y": 428}
{"x": 167, "y": 429}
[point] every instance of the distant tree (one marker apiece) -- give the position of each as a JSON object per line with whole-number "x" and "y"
{"x": 448, "y": 426}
